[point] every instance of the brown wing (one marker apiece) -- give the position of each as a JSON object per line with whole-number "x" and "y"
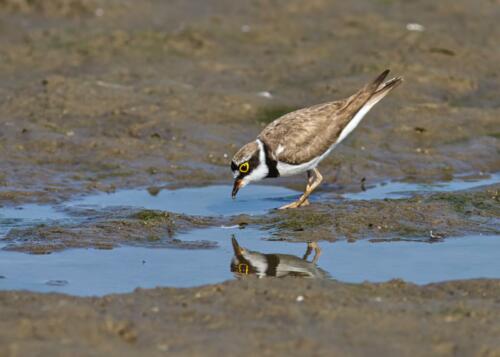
{"x": 300, "y": 136}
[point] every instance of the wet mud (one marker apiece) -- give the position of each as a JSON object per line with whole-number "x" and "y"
{"x": 137, "y": 217}
{"x": 103, "y": 101}
{"x": 260, "y": 317}
{"x": 99, "y": 95}
{"x": 142, "y": 228}
{"x": 446, "y": 214}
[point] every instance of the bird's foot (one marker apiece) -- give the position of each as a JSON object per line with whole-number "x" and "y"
{"x": 296, "y": 204}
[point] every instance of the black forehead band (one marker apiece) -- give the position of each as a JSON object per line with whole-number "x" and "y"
{"x": 233, "y": 166}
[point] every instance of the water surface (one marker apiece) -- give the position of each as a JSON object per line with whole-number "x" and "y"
{"x": 98, "y": 272}
{"x": 396, "y": 190}
{"x": 202, "y": 201}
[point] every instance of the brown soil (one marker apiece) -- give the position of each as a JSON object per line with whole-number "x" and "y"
{"x": 100, "y": 95}
{"x": 259, "y": 317}
{"x": 105, "y": 94}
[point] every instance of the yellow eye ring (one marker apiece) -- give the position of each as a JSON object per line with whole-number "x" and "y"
{"x": 244, "y": 167}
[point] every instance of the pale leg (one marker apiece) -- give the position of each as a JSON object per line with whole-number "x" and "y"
{"x": 317, "y": 251}
{"x": 313, "y": 181}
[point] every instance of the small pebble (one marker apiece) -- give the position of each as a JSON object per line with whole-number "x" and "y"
{"x": 162, "y": 347}
{"x": 299, "y": 298}
{"x": 415, "y": 27}
{"x": 265, "y": 94}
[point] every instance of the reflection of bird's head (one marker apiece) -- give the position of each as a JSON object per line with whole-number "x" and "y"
{"x": 247, "y": 262}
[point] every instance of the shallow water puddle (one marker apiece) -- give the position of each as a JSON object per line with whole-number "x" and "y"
{"x": 99, "y": 272}
{"x": 201, "y": 201}
{"x": 395, "y": 190}
{"x": 253, "y": 199}
{"x": 28, "y": 215}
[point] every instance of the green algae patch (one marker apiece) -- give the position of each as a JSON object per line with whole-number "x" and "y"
{"x": 301, "y": 220}
{"x": 483, "y": 203}
{"x": 151, "y": 215}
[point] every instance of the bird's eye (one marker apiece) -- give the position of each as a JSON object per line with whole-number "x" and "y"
{"x": 244, "y": 167}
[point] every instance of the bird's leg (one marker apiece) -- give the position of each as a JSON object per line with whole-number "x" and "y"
{"x": 312, "y": 182}
{"x": 308, "y": 251}
{"x": 300, "y": 202}
{"x": 317, "y": 251}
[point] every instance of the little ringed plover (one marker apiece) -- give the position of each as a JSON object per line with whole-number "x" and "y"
{"x": 297, "y": 142}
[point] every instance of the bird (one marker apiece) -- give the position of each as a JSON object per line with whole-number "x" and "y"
{"x": 297, "y": 142}
{"x": 248, "y": 262}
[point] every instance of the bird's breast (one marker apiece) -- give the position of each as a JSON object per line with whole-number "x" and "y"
{"x": 286, "y": 169}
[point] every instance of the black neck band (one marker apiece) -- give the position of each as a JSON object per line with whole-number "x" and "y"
{"x": 272, "y": 165}
{"x": 272, "y": 264}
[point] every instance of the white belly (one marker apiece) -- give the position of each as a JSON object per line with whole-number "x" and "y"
{"x": 289, "y": 170}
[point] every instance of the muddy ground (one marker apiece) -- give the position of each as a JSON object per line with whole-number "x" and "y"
{"x": 446, "y": 214}
{"x": 100, "y": 95}
{"x": 260, "y": 317}
{"x": 161, "y": 91}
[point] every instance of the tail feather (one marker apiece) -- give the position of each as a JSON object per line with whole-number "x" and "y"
{"x": 361, "y": 102}
{"x": 390, "y": 84}
{"x": 384, "y": 89}
{"x": 377, "y": 82}
{"x": 358, "y": 99}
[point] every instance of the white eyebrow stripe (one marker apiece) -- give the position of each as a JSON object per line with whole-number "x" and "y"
{"x": 261, "y": 171}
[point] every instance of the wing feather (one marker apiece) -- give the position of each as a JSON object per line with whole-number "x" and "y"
{"x": 307, "y": 133}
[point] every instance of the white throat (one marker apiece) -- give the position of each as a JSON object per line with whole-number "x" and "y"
{"x": 260, "y": 171}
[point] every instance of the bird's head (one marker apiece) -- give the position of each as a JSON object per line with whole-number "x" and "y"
{"x": 248, "y": 164}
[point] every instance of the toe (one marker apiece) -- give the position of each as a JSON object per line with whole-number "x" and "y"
{"x": 290, "y": 205}
{"x": 305, "y": 203}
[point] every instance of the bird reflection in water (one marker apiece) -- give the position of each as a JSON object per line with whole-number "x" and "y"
{"x": 247, "y": 262}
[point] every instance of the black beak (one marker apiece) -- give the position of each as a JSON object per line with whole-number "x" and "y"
{"x": 236, "y": 188}
{"x": 236, "y": 247}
